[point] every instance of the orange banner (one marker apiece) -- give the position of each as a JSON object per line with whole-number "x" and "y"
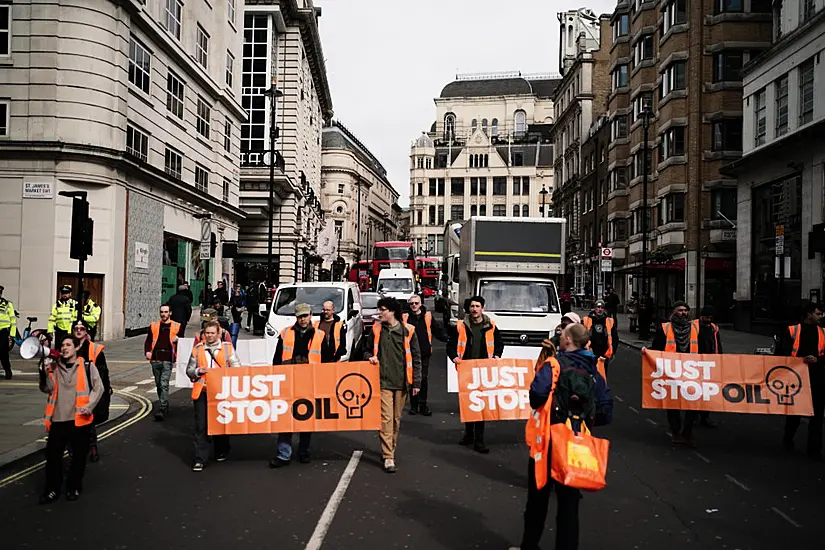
{"x": 753, "y": 384}
{"x": 329, "y": 397}
{"x": 494, "y": 389}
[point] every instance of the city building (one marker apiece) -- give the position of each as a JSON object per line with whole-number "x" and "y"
{"x": 578, "y": 101}
{"x": 357, "y": 198}
{"x": 282, "y": 46}
{"x": 679, "y": 62}
{"x": 488, "y": 153}
{"x": 781, "y": 176}
{"x": 138, "y": 105}
{"x": 404, "y": 224}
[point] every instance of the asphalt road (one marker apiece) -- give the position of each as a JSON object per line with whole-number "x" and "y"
{"x": 738, "y": 490}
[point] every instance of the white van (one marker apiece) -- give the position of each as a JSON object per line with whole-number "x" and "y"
{"x": 397, "y": 283}
{"x": 345, "y": 296}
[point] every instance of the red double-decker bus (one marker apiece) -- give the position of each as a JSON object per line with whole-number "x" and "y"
{"x": 429, "y": 271}
{"x": 392, "y": 254}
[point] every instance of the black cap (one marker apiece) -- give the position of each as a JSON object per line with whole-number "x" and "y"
{"x": 82, "y": 323}
{"x": 707, "y": 311}
{"x": 681, "y": 303}
{"x": 66, "y": 289}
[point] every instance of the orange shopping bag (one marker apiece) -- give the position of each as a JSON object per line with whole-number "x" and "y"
{"x": 578, "y": 460}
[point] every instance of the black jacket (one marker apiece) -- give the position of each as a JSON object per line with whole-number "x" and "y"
{"x": 498, "y": 347}
{"x": 808, "y": 343}
{"x": 598, "y": 335}
{"x": 302, "y": 348}
{"x": 181, "y": 307}
{"x": 342, "y": 349}
{"x": 101, "y": 411}
{"x": 708, "y": 342}
{"x": 421, "y": 331}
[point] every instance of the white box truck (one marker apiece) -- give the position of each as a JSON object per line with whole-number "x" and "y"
{"x": 514, "y": 264}
{"x": 449, "y": 268}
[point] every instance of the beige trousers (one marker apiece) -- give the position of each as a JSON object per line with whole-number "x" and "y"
{"x": 392, "y": 405}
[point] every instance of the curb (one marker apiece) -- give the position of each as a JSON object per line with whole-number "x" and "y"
{"x": 36, "y": 446}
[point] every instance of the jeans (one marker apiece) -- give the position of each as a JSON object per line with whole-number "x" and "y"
{"x": 62, "y": 434}
{"x": 201, "y": 434}
{"x": 285, "y": 445}
{"x": 815, "y": 422}
{"x": 535, "y": 513}
{"x": 474, "y": 431}
{"x": 674, "y": 420}
{"x": 392, "y": 405}
{"x": 162, "y": 370}
{"x": 420, "y": 400}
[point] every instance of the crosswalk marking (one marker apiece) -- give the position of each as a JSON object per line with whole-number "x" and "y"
{"x": 36, "y": 422}
{"x": 21, "y": 373}
{"x": 144, "y": 382}
{"x": 130, "y": 388}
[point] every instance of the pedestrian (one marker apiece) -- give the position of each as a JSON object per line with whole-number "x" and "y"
{"x": 602, "y": 331}
{"x": 425, "y": 329}
{"x": 334, "y": 329}
{"x": 188, "y": 292}
{"x": 299, "y": 344}
{"x": 8, "y": 330}
{"x": 74, "y": 388}
{"x": 180, "y": 307}
{"x": 393, "y": 346}
{"x": 611, "y": 301}
{"x": 91, "y": 314}
{"x": 475, "y": 337}
{"x": 807, "y": 340}
{"x": 64, "y": 313}
{"x": 237, "y": 303}
{"x": 207, "y": 297}
{"x": 212, "y": 353}
{"x": 251, "y": 306}
{"x": 220, "y": 294}
{"x": 710, "y": 342}
{"x": 211, "y": 314}
{"x": 554, "y": 400}
{"x": 679, "y": 336}
{"x": 160, "y": 349}
{"x": 93, "y": 353}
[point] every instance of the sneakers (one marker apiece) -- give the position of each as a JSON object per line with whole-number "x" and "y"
{"x": 278, "y": 463}
{"x": 94, "y": 455}
{"x": 424, "y": 410}
{"x": 389, "y": 466}
{"x": 72, "y": 495}
{"x": 197, "y": 466}
{"x": 49, "y": 497}
{"x": 304, "y": 458}
{"x": 480, "y": 447}
{"x": 221, "y": 457}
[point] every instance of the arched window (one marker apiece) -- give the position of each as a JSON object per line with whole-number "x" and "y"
{"x": 470, "y": 157}
{"x": 484, "y": 125}
{"x": 495, "y": 127}
{"x": 449, "y": 126}
{"x": 516, "y": 210}
{"x": 429, "y": 162}
{"x": 431, "y": 212}
{"x": 525, "y": 211}
{"x": 521, "y": 123}
{"x": 420, "y": 162}
{"x": 474, "y": 124}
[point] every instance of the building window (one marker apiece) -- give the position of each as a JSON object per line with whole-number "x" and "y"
{"x": 139, "y": 65}
{"x": 201, "y": 179}
{"x": 420, "y": 217}
{"x": 227, "y": 136}
{"x": 642, "y": 102}
{"x": 638, "y": 167}
{"x": 494, "y": 130}
{"x": 254, "y": 82}
{"x": 440, "y": 187}
{"x": 806, "y": 92}
{"x": 516, "y": 186}
{"x": 620, "y": 26}
{"x": 174, "y": 95}
{"x": 230, "y": 11}
{"x": 723, "y": 203}
{"x": 457, "y": 187}
{"x": 761, "y": 6}
{"x": 759, "y": 115}
{"x": 456, "y": 212}
{"x": 473, "y": 210}
{"x": 727, "y": 135}
{"x": 449, "y": 126}
{"x": 673, "y": 78}
{"x": 672, "y": 143}
{"x": 173, "y": 17}
{"x": 521, "y": 123}
{"x": 202, "y": 48}
{"x": 137, "y": 143}
{"x": 204, "y": 112}
{"x": 339, "y": 228}
{"x": 525, "y": 211}
{"x": 619, "y": 128}
{"x": 431, "y": 215}
{"x": 673, "y": 13}
{"x": 782, "y": 106}
{"x": 619, "y": 77}
{"x": 173, "y": 163}
{"x": 340, "y": 188}
{"x": 230, "y": 65}
{"x": 440, "y": 214}
{"x": 474, "y": 125}
{"x": 484, "y": 125}
{"x": 727, "y": 66}
{"x": 729, "y": 6}
{"x": 499, "y": 210}
{"x": 643, "y": 49}
{"x": 618, "y": 178}
{"x": 525, "y": 185}
{"x": 482, "y": 210}
{"x": 433, "y": 187}
{"x": 808, "y": 10}
{"x": 420, "y": 188}
{"x": 516, "y": 210}
{"x": 5, "y": 30}
{"x": 499, "y": 185}
{"x": 518, "y": 159}
{"x": 672, "y": 209}
{"x": 225, "y": 190}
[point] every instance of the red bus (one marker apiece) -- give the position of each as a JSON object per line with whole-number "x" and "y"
{"x": 359, "y": 272}
{"x": 392, "y": 254}
{"x": 429, "y": 271}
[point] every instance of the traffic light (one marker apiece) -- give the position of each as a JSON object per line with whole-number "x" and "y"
{"x": 80, "y": 246}
{"x": 213, "y": 245}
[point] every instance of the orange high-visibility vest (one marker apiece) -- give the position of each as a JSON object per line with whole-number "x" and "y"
{"x": 94, "y": 351}
{"x": 428, "y": 322}
{"x": 537, "y": 430}
{"x": 670, "y": 338}
{"x": 489, "y": 336}
{"x": 154, "y": 328}
{"x": 600, "y": 368}
{"x": 221, "y": 359}
{"x": 608, "y": 325}
{"x": 81, "y": 400}
{"x": 796, "y": 334}
{"x": 288, "y": 337}
{"x": 376, "y": 337}
{"x": 336, "y": 333}
{"x": 695, "y": 326}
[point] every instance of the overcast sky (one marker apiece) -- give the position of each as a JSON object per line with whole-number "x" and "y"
{"x": 386, "y": 61}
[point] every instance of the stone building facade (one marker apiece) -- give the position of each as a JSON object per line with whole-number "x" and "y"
{"x": 136, "y": 104}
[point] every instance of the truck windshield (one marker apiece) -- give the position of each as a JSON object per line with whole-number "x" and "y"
{"x": 315, "y": 296}
{"x": 395, "y": 285}
{"x": 520, "y": 297}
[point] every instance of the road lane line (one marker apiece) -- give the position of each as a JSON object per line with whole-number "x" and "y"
{"x": 737, "y": 482}
{"x": 21, "y": 373}
{"x": 707, "y": 460}
{"x": 321, "y": 529}
{"x": 634, "y": 409}
{"x": 619, "y": 399}
{"x": 129, "y": 388}
{"x": 651, "y": 421}
{"x": 144, "y": 382}
{"x": 785, "y": 516}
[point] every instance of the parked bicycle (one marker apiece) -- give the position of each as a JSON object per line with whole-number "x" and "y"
{"x": 29, "y": 331}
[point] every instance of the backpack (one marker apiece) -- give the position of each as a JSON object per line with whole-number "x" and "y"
{"x": 582, "y": 393}
{"x": 101, "y": 410}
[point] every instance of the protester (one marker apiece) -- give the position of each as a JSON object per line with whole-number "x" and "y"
{"x": 568, "y": 319}
{"x": 160, "y": 349}
{"x": 393, "y": 346}
{"x": 711, "y": 343}
{"x": 93, "y": 353}
{"x": 425, "y": 329}
{"x": 334, "y": 329}
{"x": 603, "y": 332}
{"x": 212, "y": 353}
{"x": 300, "y": 344}
{"x": 180, "y": 308}
{"x": 74, "y": 388}
{"x": 475, "y": 337}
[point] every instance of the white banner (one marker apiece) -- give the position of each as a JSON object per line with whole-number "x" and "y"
{"x": 251, "y": 353}
{"x": 510, "y": 352}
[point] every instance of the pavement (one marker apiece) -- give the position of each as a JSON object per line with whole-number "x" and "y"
{"x": 738, "y": 490}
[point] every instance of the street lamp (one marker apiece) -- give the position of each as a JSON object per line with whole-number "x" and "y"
{"x": 544, "y": 192}
{"x": 646, "y": 116}
{"x": 273, "y": 93}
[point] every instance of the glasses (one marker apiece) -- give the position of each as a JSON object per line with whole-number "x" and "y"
{"x": 415, "y": 303}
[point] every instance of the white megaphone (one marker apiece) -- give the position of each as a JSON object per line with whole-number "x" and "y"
{"x": 31, "y": 348}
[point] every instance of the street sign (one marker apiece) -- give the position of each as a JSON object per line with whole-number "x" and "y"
{"x": 607, "y": 253}
{"x": 607, "y": 266}
{"x": 780, "y": 245}
{"x": 206, "y": 239}
{"x": 780, "y": 230}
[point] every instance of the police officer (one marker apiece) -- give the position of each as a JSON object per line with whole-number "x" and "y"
{"x": 604, "y": 335}
{"x": 8, "y": 329}
{"x": 91, "y": 314}
{"x": 64, "y": 312}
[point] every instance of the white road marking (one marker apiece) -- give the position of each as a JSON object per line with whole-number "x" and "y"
{"x": 130, "y": 388}
{"x": 634, "y": 409}
{"x": 144, "y": 382}
{"x": 38, "y": 422}
{"x": 737, "y": 482}
{"x": 322, "y": 527}
{"x": 619, "y": 399}
{"x": 21, "y": 373}
{"x": 152, "y": 391}
{"x": 707, "y": 460}
{"x": 785, "y": 516}
{"x": 651, "y": 421}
